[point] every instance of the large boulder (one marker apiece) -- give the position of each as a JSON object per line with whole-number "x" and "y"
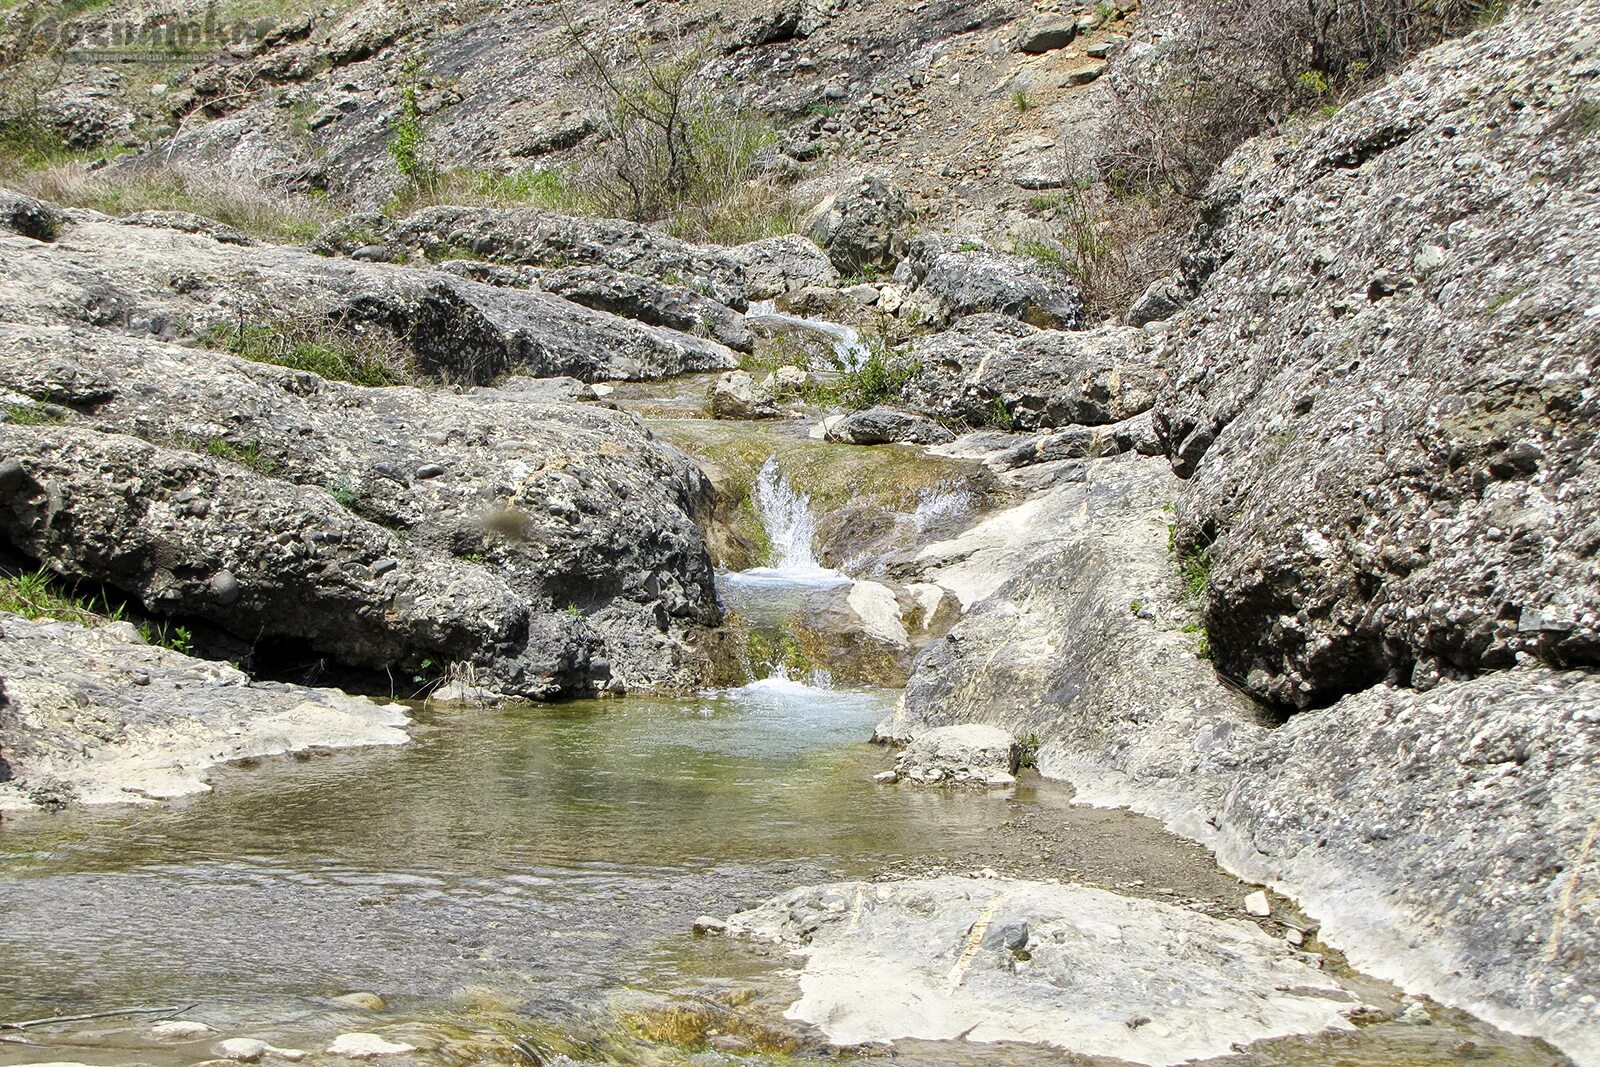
{"x": 738, "y": 395}
{"x": 554, "y": 546}
{"x": 1081, "y": 969}
{"x": 1388, "y": 417}
{"x": 164, "y": 282}
{"x": 881, "y": 425}
{"x": 96, "y": 715}
{"x": 990, "y": 370}
{"x": 955, "y": 277}
{"x": 780, "y": 266}
{"x": 862, "y": 226}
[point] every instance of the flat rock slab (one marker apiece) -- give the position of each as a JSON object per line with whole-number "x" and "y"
{"x": 1063, "y": 965}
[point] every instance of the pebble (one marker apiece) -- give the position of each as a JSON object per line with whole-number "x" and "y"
{"x": 178, "y": 1029}
{"x": 708, "y": 925}
{"x": 224, "y": 588}
{"x": 429, "y": 470}
{"x": 886, "y": 776}
{"x": 1258, "y": 905}
{"x": 1294, "y": 937}
{"x": 363, "y": 1046}
{"x": 364, "y": 1001}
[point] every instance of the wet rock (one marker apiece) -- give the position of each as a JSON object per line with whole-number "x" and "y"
{"x": 939, "y": 959}
{"x": 779, "y": 266}
{"x": 880, "y": 425}
{"x": 970, "y": 752}
{"x": 73, "y": 718}
{"x": 863, "y": 225}
{"x": 364, "y": 1001}
{"x": 249, "y": 1050}
{"x": 990, "y": 370}
{"x": 709, "y": 926}
{"x": 363, "y": 1046}
{"x": 178, "y": 1030}
{"x": 737, "y": 395}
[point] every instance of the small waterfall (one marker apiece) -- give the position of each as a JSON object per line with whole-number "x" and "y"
{"x": 786, "y": 516}
{"x": 847, "y": 346}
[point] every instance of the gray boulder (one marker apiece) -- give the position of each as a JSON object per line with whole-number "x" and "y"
{"x": 99, "y": 716}
{"x": 779, "y": 266}
{"x": 880, "y": 425}
{"x": 863, "y": 225}
{"x": 966, "y": 753}
{"x": 990, "y": 370}
{"x": 1162, "y": 299}
{"x": 161, "y": 282}
{"x": 375, "y": 526}
{"x": 954, "y": 278}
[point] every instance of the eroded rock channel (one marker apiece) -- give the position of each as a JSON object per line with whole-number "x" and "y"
{"x": 501, "y": 634}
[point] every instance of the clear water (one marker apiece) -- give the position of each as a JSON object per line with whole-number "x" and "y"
{"x": 848, "y": 348}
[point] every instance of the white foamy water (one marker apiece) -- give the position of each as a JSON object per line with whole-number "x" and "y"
{"x": 847, "y": 346}
{"x": 792, "y": 531}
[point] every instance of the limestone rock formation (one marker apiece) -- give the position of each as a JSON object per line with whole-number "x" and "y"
{"x": 952, "y": 277}
{"x": 991, "y": 370}
{"x": 881, "y": 425}
{"x": 98, "y": 716}
{"x": 862, "y": 225}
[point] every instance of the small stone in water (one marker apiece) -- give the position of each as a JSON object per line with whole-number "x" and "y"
{"x": 708, "y": 925}
{"x": 361, "y": 1046}
{"x": 178, "y": 1029}
{"x": 364, "y": 1001}
{"x": 1258, "y": 905}
{"x": 886, "y": 776}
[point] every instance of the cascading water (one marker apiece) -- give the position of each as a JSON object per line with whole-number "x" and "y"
{"x": 786, "y": 517}
{"x": 847, "y": 346}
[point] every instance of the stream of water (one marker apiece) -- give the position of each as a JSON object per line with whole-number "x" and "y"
{"x": 519, "y": 870}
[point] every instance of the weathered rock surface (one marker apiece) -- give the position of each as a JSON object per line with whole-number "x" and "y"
{"x": 376, "y": 525}
{"x": 737, "y": 395}
{"x": 99, "y": 716}
{"x": 1388, "y": 414}
{"x": 1045, "y": 33}
{"x": 165, "y": 282}
{"x": 779, "y": 266}
{"x": 529, "y": 237}
{"x": 954, "y": 277}
{"x": 863, "y": 225}
{"x": 967, "y": 753}
{"x": 880, "y": 425}
{"x": 992, "y": 370}
{"x": 633, "y": 296}
{"x": 1065, "y": 965}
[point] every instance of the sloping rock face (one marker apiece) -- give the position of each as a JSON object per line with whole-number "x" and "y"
{"x": 1380, "y": 402}
{"x": 551, "y": 546}
{"x": 529, "y": 237}
{"x": 166, "y": 283}
{"x": 1384, "y": 394}
{"x": 991, "y": 370}
{"x": 1082, "y": 969}
{"x": 99, "y": 716}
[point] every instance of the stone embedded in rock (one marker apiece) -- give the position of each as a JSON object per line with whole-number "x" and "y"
{"x": 969, "y": 752}
{"x": 880, "y": 425}
{"x": 937, "y": 959}
{"x": 1046, "y": 33}
{"x": 37, "y": 220}
{"x": 953, "y": 277}
{"x": 1258, "y": 905}
{"x": 632, "y": 296}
